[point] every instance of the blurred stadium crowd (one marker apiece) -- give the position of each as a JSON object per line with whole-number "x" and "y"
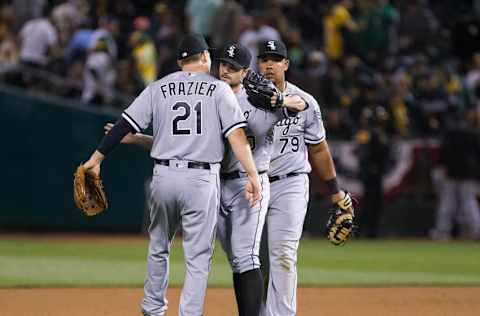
{"x": 411, "y": 67}
{"x": 382, "y": 71}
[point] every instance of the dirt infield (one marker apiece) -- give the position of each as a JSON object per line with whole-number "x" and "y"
{"x": 422, "y": 301}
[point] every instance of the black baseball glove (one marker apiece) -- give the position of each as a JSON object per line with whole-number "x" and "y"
{"x": 260, "y": 91}
{"x": 340, "y": 224}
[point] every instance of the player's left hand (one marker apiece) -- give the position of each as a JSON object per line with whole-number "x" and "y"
{"x": 294, "y": 103}
{"x": 344, "y": 201}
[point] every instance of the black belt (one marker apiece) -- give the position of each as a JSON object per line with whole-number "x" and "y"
{"x": 236, "y": 175}
{"x": 288, "y": 175}
{"x": 190, "y": 164}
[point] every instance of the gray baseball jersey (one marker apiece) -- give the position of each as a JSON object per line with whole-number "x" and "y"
{"x": 191, "y": 115}
{"x": 259, "y": 132}
{"x": 293, "y": 133}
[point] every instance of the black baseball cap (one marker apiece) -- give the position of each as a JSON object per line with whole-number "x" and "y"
{"x": 272, "y": 47}
{"x": 236, "y": 55}
{"x": 190, "y": 45}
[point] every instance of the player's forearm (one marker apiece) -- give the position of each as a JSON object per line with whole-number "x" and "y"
{"x": 241, "y": 148}
{"x": 294, "y": 103}
{"x": 145, "y": 141}
{"x": 322, "y": 160}
{"x": 114, "y": 136}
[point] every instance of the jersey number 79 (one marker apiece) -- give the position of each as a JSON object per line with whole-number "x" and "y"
{"x": 293, "y": 141}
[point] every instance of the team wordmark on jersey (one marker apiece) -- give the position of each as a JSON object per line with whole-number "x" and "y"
{"x": 286, "y": 123}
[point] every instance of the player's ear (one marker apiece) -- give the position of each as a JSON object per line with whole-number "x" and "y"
{"x": 286, "y": 64}
{"x": 244, "y": 73}
{"x": 205, "y": 56}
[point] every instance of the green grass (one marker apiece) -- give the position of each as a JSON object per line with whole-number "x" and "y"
{"x": 41, "y": 263}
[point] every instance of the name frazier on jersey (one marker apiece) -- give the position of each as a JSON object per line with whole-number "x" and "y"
{"x": 188, "y": 88}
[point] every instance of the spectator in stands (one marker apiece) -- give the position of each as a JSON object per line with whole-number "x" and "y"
{"x": 145, "y": 57}
{"x": 432, "y": 102}
{"x": 38, "y": 42}
{"x": 473, "y": 75}
{"x": 373, "y": 151}
{"x": 200, "y": 14}
{"x": 67, "y": 16}
{"x": 108, "y": 27}
{"x": 99, "y": 75}
{"x": 7, "y": 21}
{"x": 258, "y": 32}
{"x": 80, "y": 42}
{"x": 26, "y": 10}
{"x": 275, "y": 17}
{"x": 166, "y": 30}
{"x": 124, "y": 82}
{"x": 398, "y": 105}
{"x": 312, "y": 78}
{"x": 296, "y": 50}
{"x": 377, "y": 38}
{"x": 9, "y": 53}
{"x": 227, "y": 21}
{"x": 418, "y": 27}
{"x": 338, "y": 19}
{"x": 457, "y": 203}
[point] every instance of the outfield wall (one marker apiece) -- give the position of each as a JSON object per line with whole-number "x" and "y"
{"x": 44, "y": 140}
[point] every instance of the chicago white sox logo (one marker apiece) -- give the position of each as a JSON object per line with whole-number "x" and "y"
{"x": 271, "y": 45}
{"x": 231, "y": 51}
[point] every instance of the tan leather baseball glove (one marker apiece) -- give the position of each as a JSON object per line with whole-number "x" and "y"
{"x": 88, "y": 192}
{"x": 340, "y": 224}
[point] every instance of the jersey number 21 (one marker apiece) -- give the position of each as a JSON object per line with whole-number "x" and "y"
{"x": 185, "y": 111}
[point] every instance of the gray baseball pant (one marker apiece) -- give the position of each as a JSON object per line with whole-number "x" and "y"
{"x": 284, "y": 226}
{"x": 240, "y": 226}
{"x": 183, "y": 198}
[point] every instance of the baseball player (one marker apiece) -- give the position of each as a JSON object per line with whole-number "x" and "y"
{"x": 240, "y": 225}
{"x": 192, "y": 113}
{"x": 297, "y": 136}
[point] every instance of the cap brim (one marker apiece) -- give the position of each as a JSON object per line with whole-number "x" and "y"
{"x": 232, "y": 62}
{"x": 271, "y": 54}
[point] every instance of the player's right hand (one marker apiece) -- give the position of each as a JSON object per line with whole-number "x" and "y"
{"x": 127, "y": 139}
{"x": 253, "y": 190}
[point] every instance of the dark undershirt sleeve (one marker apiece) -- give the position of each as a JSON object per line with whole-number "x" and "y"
{"x": 115, "y": 135}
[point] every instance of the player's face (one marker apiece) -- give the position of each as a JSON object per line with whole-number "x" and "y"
{"x": 230, "y": 74}
{"x": 273, "y": 67}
